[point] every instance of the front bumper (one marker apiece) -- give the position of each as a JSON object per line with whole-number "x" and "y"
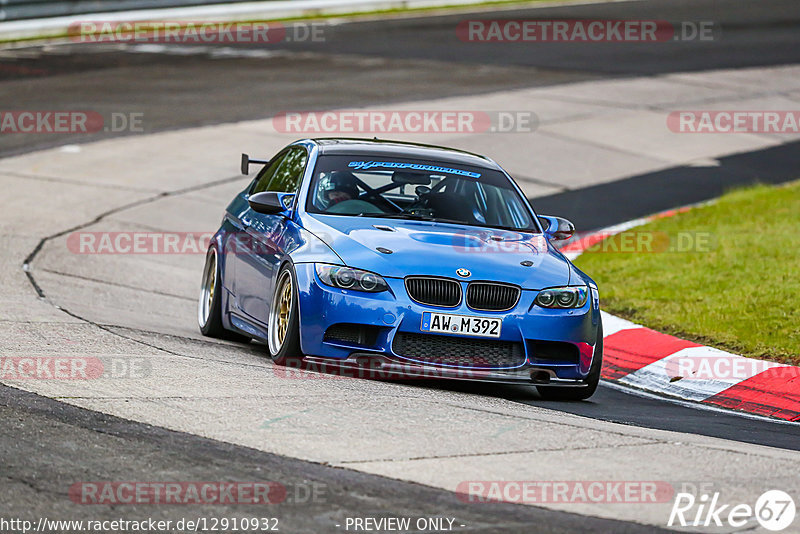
{"x": 392, "y": 312}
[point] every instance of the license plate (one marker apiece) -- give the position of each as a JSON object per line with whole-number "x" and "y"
{"x": 465, "y": 325}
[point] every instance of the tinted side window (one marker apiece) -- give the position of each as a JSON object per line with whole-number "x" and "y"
{"x": 287, "y": 178}
{"x": 267, "y": 173}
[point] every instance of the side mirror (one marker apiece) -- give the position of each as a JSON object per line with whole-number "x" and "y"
{"x": 557, "y": 228}
{"x": 270, "y": 202}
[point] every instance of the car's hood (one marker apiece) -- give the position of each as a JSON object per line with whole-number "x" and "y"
{"x": 439, "y": 249}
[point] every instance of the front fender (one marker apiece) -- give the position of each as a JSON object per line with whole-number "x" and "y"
{"x": 308, "y": 248}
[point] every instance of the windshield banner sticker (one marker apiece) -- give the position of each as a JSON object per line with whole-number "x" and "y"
{"x": 364, "y": 165}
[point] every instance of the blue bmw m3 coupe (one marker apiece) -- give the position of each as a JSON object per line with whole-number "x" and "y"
{"x": 422, "y": 258}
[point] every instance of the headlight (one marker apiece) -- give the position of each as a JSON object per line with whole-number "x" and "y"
{"x": 562, "y": 297}
{"x": 348, "y": 278}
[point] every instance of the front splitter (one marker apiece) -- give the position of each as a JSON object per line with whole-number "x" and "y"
{"x": 380, "y": 367}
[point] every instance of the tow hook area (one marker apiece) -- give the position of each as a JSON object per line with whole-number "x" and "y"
{"x": 541, "y": 376}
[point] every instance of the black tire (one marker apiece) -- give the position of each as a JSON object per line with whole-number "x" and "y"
{"x": 284, "y": 351}
{"x": 209, "y": 307}
{"x": 574, "y": 393}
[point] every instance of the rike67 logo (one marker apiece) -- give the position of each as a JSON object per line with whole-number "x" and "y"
{"x": 774, "y": 510}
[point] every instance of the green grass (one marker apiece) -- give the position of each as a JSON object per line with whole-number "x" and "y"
{"x": 741, "y": 294}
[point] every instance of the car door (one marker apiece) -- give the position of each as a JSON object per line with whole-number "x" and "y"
{"x": 261, "y": 241}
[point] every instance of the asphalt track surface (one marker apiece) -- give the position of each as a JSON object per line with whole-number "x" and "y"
{"x": 41, "y": 438}
{"x": 372, "y": 63}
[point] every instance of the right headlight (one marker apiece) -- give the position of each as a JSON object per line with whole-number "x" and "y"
{"x": 562, "y": 297}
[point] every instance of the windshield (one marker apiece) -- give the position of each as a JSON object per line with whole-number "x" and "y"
{"x": 391, "y": 187}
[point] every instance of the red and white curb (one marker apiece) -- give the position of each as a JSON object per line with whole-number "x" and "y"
{"x": 642, "y": 358}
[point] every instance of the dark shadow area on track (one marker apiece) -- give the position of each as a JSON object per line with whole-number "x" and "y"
{"x": 745, "y": 34}
{"x": 599, "y": 206}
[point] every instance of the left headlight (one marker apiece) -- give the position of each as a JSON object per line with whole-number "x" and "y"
{"x": 349, "y": 278}
{"x": 562, "y": 297}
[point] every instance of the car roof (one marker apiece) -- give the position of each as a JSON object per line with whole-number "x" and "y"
{"x": 400, "y": 149}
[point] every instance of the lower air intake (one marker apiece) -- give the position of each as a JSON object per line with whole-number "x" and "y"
{"x": 461, "y": 351}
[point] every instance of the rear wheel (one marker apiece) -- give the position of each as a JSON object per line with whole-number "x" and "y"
{"x": 209, "y": 307}
{"x": 579, "y": 393}
{"x": 284, "y": 320}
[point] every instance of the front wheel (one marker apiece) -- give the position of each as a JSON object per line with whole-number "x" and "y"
{"x": 583, "y": 393}
{"x": 284, "y": 320}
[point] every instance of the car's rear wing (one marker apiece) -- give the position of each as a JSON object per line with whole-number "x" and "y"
{"x": 246, "y": 162}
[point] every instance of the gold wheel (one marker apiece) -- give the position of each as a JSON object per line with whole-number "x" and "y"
{"x": 285, "y": 308}
{"x": 207, "y": 289}
{"x": 281, "y": 312}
